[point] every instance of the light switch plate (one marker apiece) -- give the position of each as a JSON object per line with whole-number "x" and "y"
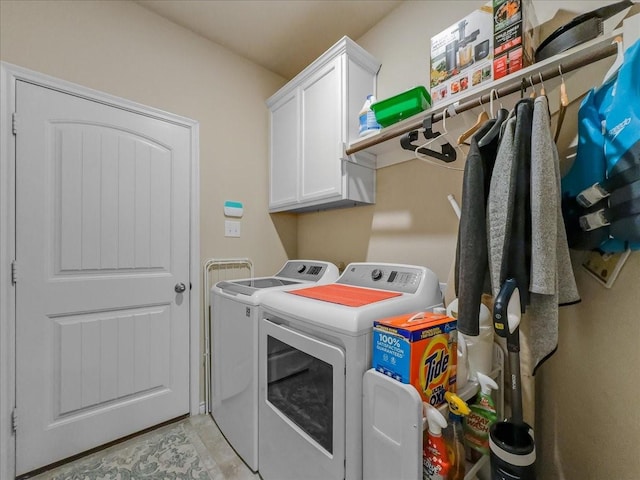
{"x": 605, "y": 267}
{"x": 231, "y": 228}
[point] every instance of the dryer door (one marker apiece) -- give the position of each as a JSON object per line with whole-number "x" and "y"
{"x": 301, "y": 406}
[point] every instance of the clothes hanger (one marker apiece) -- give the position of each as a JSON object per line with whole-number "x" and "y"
{"x": 533, "y": 88}
{"x": 482, "y": 118}
{"x": 427, "y": 129}
{"x": 447, "y": 149}
{"x": 617, "y": 62}
{"x": 564, "y": 103}
{"x": 500, "y": 117}
{"x": 542, "y": 90}
{"x": 491, "y": 94}
{"x": 447, "y": 153}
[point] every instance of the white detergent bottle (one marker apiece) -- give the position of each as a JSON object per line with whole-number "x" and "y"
{"x": 367, "y": 118}
{"x": 480, "y": 347}
{"x": 462, "y": 372}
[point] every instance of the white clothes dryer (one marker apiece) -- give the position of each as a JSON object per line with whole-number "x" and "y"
{"x": 234, "y": 346}
{"x": 315, "y": 345}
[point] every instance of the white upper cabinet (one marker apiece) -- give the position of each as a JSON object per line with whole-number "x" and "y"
{"x": 313, "y": 118}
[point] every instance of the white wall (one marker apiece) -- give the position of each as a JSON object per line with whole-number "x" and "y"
{"x": 586, "y": 425}
{"x": 123, "y": 49}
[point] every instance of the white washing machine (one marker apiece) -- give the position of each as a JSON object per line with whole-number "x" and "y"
{"x": 314, "y": 348}
{"x": 234, "y": 348}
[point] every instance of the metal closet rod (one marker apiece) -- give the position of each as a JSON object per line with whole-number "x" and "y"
{"x": 589, "y": 57}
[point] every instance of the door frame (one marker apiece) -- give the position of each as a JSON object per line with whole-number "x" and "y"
{"x": 9, "y": 75}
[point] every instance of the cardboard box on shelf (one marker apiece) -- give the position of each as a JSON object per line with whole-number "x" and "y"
{"x": 420, "y": 349}
{"x": 461, "y": 56}
{"x": 515, "y": 36}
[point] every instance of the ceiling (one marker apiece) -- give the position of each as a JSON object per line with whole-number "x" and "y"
{"x": 283, "y": 36}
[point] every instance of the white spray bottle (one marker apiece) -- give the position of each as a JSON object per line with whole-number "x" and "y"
{"x": 367, "y": 118}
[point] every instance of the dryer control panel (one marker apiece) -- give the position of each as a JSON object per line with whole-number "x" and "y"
{"x": 385, "y": 276}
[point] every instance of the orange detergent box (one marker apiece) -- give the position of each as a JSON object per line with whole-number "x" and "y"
{"x": 420, "y": 349}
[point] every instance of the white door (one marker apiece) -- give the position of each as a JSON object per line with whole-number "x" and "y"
{"x": 102, "y": 238}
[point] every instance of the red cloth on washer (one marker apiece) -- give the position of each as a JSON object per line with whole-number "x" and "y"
{"x": 345, "y": 294}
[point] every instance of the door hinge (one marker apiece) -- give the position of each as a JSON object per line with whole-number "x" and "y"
{"x": 14, "y": 420}
{"x": 14, "y": 123}
{"x": 14, "y": 272}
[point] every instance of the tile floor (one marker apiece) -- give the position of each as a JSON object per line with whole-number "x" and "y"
{"x": 218, "y": 458}
{"x": 228, "y": 465}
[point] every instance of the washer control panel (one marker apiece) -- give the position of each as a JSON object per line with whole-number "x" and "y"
{"x": 304, "y": 270}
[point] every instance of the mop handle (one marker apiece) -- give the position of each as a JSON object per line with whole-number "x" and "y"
{"x": 506, "y": 321}
{"x": 516, "y": 386}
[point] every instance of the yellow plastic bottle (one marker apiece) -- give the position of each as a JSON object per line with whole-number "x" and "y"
{"x": 454, "y": 435}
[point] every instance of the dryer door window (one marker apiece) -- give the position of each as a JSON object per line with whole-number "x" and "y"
{"x": 300, "y": 386}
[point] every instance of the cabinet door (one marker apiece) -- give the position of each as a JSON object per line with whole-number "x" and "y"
{"x": 285, "y": 150}
{"x": 322, "y": 106}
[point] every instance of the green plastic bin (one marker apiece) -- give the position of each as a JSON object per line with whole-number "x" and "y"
{"x": 401, "y": 106}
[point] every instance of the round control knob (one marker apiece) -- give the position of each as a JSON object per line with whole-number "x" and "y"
{"x": 376, "y": 274}
{"x": 302, "y": 268}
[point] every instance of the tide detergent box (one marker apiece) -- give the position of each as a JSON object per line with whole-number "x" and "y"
{"x": 420, "y": 349}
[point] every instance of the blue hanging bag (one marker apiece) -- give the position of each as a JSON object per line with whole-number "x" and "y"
{"x": 601, "y": 191}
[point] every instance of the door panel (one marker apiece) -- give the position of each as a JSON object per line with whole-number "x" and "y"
{"x": 110, "y": 181}
{"x": 104, "y": 345}
{"x": 102, "y": 237}
{"x": 284, "y": 170}
{"x": 321, "y": 133}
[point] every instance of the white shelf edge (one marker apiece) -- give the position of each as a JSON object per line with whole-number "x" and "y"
{"x": 392, "y": 144}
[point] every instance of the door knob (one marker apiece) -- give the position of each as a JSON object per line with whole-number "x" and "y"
{"x": 180, "y": 287}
